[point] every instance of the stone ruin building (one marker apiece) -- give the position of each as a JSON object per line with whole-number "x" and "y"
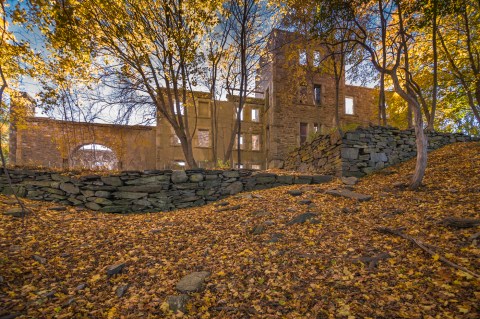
{"x": 295, "y": 101}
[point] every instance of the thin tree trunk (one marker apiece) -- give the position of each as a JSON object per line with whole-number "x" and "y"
{"x": 431, "y": 119}
{"x": 422, "y": 148}
{"x": 420, "y": 137}
{"x": 187, "y": 148}
{"x": 382, "y": 114}
{"x": 338, "y": 76}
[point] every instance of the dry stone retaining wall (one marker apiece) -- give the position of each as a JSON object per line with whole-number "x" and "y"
{"x": 364, "y": 150}
{"x": 136, "y": 191}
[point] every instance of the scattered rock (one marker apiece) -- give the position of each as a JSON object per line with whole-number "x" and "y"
{"x": 474, "y": 236}
{"x": 372, "y": 262}
{"x": 305, "y": 202}
{"x": 192, "y": 282}
{"x": 400, "y": 185}
{"x": 229, "y": 208}
{"x": 49, "y": 295}
{"x": 352, "y": 180}
{"x": 349, "y": 210}
{"x": 10, "y": 202}
{"x": 395, "y": 212}
{"x": 121, "y": 290}
{"x": 275, "y": 238}
{"x": 349, "y": 194}
{"x": 222, "y": 204}
{"x": 458, "y": 222}
{"x": 269, "y": 223}
{"x": 58, "y": 208}
{"x": 295, "y": 192}
{"x": 81, "y": 286}
{"x": 115, "y": 269}
{"x": 387, "y": 172}
{"x": 257, "y": 230}
{"x": 39, "y": 259}
{"x": 258, "y": 196}
{"x": 15, "y": 212}
{"x": 178, "y": 303}
{"x": 69, "y": 302}
{"x": 260, "y": 213}
{"x": 302, "y": 218}
{"x": 155, "y": 231}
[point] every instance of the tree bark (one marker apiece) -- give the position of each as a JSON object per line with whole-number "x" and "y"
{"x": 431, "y": 119}
{"x": 382, "y": 114}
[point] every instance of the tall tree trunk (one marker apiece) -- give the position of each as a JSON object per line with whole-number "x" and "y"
{"x": 422, "y": 148}
{"x": 431, "y": 119}
{"x": 382, "y": 114}
{"x": 188, "y": 151}
{"x": 409, "y": 115}
{"x": 414, "y": 106}
{"x": 338, "y": 76}
{"x": 214, "y": 132}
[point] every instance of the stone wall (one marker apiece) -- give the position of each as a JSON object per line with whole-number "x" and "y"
{"x": 322, "y": 155}
{"x": 51, "y": 143}
{"x": 134, "y": 191}
{"x": 364, "y": 150}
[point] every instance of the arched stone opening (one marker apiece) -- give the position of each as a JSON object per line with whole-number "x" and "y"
{"x": 94, "y": 156}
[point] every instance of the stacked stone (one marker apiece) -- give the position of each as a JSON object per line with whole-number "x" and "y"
{"x": 135, "y": 191}
{"x": 364, "y": 150}
{"x": 322, "y": 155}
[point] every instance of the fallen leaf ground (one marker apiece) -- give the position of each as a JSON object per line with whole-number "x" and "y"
{"x": 310, "y": 271}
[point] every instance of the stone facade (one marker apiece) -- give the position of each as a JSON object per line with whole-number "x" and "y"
{"x": 295, "y": 99}
{"x": 363, "y": 150}
{"x": 148, "y": 191}
{"x": 53, "y": 143}
{"x": 301, "y": 95}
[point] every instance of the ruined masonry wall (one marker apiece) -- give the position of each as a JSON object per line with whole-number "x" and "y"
{"x": 364, "y": 150}
{"x": 148, "y": 191}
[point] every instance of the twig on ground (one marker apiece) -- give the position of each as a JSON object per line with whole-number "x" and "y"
{"x": 420, "y": 244}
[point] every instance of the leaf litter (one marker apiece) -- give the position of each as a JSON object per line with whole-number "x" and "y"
{"x": 58, "y": 264}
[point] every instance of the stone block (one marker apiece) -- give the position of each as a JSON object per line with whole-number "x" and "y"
{"x": 285, "y": 179}
{"x": 103, "y": 194}
{"x": 378, "y": 157}
{"x": 129, "y": 195}
{"x": 231, "y": 174}
{"x": 319, "y": 179}
{"x": 112, "y": 180}
{"x": 179, "y": 177}
{"x": 349, "y": 153}
{"x": 195, "y": 178}
{"x": 234, "y": 188}
{"x": 265, "y": 179}
{"x": 69, "y": 188}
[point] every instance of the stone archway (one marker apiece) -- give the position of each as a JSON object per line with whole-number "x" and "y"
{"x": 94, "y": 156}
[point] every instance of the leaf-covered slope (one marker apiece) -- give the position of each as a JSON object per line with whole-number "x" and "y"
{"x": 262, "y": 265}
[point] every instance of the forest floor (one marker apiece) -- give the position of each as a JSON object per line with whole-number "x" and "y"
{"x": 53, "y": 264}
